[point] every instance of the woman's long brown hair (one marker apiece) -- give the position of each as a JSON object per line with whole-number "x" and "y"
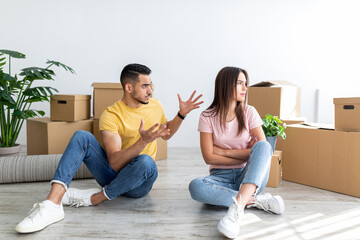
{"x": 225, "y": 83}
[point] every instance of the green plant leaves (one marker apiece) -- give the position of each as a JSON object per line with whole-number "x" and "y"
{"x": 39, "y": 94}
{"x": 59, "y": 64}
{"x": 17, "y": 95}
{"x": 271, "y": 126}
{"x": 13, "y": 54}
{"x": 36, "y": 73}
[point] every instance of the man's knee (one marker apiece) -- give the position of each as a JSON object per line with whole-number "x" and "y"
{"x": 145, "y": 161}
{"x": 144, "y": 164}
{"x": 81, "y": 134}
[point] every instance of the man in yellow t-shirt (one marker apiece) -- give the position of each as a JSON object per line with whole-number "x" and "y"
{"x": 125, "y": 165}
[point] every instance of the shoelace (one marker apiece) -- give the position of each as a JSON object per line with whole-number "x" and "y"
{"x": 263, "y": 203}
{"x": 36, "y": 208}
{"x": 77, "y": 202}
{"x": 233, "y": 217}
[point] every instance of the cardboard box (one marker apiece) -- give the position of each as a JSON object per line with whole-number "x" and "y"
{"x": 288, "y": 121}
{"x": 347, "y": 114}
{"x": 322, "y": 158}
{"x": 70, "y": 107}
{"x": 278, "y": 98}
{"x": 161, "y": 152}
{"x": 275, "y": 170}
{"x": 105, "y": 94}
{"x": 48, "y": 137}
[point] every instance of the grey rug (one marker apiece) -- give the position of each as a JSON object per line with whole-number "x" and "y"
{"x": 16, "y": 169}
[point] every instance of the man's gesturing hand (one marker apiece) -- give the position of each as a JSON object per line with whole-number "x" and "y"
{"x": 190, "y": 104}
{"x": 150, "y": 135}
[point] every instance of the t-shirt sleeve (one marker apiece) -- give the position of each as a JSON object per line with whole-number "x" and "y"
{"x": 109, "y": 122}
{"x": 205, "y": 124}
{"x": 254, "y": 119}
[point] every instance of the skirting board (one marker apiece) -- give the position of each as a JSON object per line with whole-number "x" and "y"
{"x": 16, "y": 169}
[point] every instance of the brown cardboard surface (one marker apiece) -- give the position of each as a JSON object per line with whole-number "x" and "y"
{"x": 275, "y": 170}
{"x": 105, "y": 94}
{"x": 347, "y": 114}
{"x": 288, "y": 121}
{"x": 278, "y": 98}
{"x": 335, "y": 156}
{"x": 161, "y": 152}
{"x": 299, "y": 155}
{"x": 70, "y": 107}
{"x": 50, "y": 137}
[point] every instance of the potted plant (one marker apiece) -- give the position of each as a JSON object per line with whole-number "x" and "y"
{"x": 17, "y": 93}
{"x": 272, "y": 128}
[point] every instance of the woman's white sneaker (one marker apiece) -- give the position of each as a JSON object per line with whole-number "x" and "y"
{"x": 269, "y": 203}
{"x": 74, "y": 197}
{"x": 41, "y": 215}
{"x": 229, "y": 225}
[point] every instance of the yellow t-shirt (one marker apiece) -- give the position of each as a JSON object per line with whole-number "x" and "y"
{"x": 125, "y": 121}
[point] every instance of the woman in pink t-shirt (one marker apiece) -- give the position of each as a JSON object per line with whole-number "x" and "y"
{"x": 234, "y": 145}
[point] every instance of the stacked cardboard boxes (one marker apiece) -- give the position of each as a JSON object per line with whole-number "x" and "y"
{"x": 278, "y": 98}
{"x": 68, "y": 113}
{"x": 319, "y": 156}
{"x": 106, "y": 94}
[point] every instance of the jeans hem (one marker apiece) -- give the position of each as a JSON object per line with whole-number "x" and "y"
{"x": 59, "y": 182}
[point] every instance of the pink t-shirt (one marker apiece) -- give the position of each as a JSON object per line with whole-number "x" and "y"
{"x": 229, "y": 138}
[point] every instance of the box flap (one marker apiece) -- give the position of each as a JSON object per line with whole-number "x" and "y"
{"x": 69, "y": 97}
{"x": 326, "y": 126}
{"x": 107, "y": 85}
{"x": 272, "y": 83}
{"x": 352, "y": 100}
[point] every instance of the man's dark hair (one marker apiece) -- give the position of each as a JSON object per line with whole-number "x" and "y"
{"x": 131, "y": 72}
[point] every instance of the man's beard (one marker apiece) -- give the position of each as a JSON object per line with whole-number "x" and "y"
{"x": 139, "y": 101}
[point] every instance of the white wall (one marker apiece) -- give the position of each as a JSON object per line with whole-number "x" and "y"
{"x": 312, "y": 43}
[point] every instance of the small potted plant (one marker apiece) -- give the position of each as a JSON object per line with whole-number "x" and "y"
{"x": 272, "y": 128}
{"x": 17, "y": 93}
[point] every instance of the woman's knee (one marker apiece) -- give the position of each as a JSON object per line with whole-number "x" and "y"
{"x": 195, "y": 187}
{"x": 263, "y": 144}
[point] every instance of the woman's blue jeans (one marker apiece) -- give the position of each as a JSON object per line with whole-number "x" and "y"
{"x": 134, "y": 180}
{"x": 223, "y": 184}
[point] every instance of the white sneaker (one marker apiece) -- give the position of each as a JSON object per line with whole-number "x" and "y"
{"x": 74, "y": 197}
{"x": 269, "y": 203}
{"x": 229, "y": 225}
{"x": 41, "y": 215}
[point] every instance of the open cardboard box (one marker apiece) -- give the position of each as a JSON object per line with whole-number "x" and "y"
{"x": 278, "y": 98}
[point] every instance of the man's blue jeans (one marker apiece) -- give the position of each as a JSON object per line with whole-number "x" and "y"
{"x": 134, "y": 180}
{"x": 223, "y": 184}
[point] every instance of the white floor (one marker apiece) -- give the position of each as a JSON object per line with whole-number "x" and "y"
{"x": 168, "y": 212}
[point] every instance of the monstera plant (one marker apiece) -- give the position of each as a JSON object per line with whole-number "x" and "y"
{"x": 18, "y": 92}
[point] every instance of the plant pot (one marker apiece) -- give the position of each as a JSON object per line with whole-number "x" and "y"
{"x": 272, "y": 141}
{"x": 10, "y": 150}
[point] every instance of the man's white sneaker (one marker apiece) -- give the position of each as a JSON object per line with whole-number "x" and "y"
{"x": 79, "y": 198}
{"x": 269, "y": 203}
{"x": 229, "y": 225}
{"x": 41, "y": 215}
